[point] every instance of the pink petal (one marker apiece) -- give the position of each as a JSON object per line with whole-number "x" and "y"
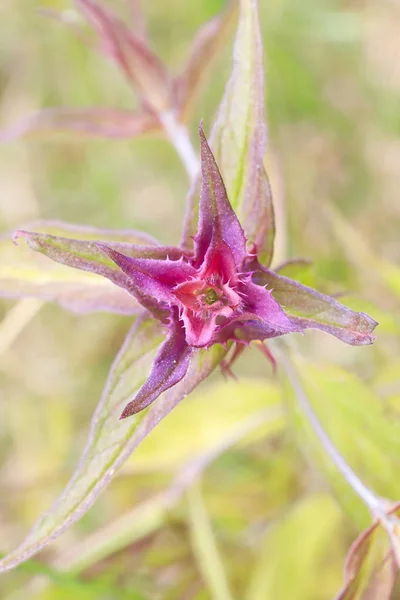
{"x": 219, "y": 260}
{"x": 199, "y": 330}
{"x": 188, "y": 291}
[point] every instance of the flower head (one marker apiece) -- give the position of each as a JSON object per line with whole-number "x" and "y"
{"x": 217, "y": 293}
{"x": 210, "y": 293}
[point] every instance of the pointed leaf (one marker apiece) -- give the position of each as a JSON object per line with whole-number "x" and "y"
{"x": 206, "y": 45}
{"x": 309, "y": 308}
{"x": 371, "y": 570}
{"x": 238, "y": 140}
{"x": 217, "y": 220}
{"x": 89, "y": 122}
{"x": 87, "y": 255}
{"x": 170, "y": 366}
{"x": 139, "y": 64}
{"x": 112, "y": 441}
{"x": 27, "y": 273}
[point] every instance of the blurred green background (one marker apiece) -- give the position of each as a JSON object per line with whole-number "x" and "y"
{"x": 270, "y": 517}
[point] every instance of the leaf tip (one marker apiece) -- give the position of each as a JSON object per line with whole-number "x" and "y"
{"x": 129, "y": 411}
{"x": 18, "y": 234}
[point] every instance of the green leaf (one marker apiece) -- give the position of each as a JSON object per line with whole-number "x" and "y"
{"x": 238, "y": 140}
{"x": 300, "y": 544}
{"x": 311, "y": 309}
{"x": 204, "y": 546}
{"x": 112, "y": 441}
{"x": 24, "y": 272}
{"x": 194, "y": 432}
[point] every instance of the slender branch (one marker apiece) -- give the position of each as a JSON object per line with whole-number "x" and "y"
{"x": 179, "y": 138}
{"x": 377, "y": 506}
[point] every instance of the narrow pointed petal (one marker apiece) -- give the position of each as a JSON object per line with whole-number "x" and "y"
{"x": 310, "y": 309}
{"x": 88, "y": 122}
{"x": 24, "y": 273}
{"x": 206, "y": 45}
{"x": 262, "y": 303}
{"x": 217, "y": 220}
{"x": 149, "y": 278}
{"x": 133, "y": 56}
{"x": 170, "y": 366}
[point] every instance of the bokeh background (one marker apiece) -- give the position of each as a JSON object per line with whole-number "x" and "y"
{"x": 269, "y": 517}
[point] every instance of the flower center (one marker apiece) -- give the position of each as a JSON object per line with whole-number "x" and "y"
{"x": 210, "y": 296}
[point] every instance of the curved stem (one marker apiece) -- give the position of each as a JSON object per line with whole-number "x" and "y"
{"x": 179, "y": 138}
{"x": 378, "y": 507}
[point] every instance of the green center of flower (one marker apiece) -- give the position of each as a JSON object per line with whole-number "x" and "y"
{"x": 210, "y": 296}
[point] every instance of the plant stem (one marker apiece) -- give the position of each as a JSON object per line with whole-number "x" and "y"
{"x": 377, "y": 506}
{"x": 179, "y": 138}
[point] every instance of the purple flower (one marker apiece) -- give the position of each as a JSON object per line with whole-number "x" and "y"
{"x": 217, "y": 293}
{"x": 204, "y": 298}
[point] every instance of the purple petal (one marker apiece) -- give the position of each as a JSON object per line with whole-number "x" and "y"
{"x": 308, "y": 308}
{"x": 170, "y": 366}
{"x": 151, "y": 280}
{"x": 90, "y": 122}
{"x": 262, "y": 303}
{"x": 217, "y": 220}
